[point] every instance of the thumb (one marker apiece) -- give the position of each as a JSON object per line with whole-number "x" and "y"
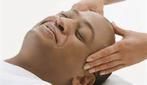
{"x": 118, "y": 30}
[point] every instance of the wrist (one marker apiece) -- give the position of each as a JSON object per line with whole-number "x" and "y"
{"x": 143, "y": 39}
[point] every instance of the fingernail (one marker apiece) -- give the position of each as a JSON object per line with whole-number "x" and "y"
{"x": 89, "y": 59}
{"x": 92, "y": 71}
{"x": 102, "y": 73}
{"x": 86, "y": 66}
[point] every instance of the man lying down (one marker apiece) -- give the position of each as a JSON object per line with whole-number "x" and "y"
{"x": 54, "y": 51}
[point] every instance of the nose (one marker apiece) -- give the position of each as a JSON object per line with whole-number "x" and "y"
{"x": 67, "y": 26}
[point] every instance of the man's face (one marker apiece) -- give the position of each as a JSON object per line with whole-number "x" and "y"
{"x": 69, "y": 37}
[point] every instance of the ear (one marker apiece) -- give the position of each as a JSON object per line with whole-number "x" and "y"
{"x": 87, "y": 79}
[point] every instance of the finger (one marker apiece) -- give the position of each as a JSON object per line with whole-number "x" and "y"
{"x": 103, "y": 60}
{"x": 106, "y": 66}
{"x": 118, "y": 30}
{"x": 104, "y": 52}
{"x": 110, "y": 70}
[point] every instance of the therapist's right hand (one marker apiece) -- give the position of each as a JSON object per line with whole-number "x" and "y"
{"x": 130, "y": 50}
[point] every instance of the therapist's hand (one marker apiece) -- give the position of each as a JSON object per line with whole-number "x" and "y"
{"x": 91, "y": 5}
{"x": 130, "y": 50}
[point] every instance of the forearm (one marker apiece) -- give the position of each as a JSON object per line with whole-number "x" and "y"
{"x": 146, "y": 45}
{"x": 93, "y": 5}
{"x": 106, "y": 2}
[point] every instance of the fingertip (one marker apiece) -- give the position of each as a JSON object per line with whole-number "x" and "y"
{"x": 89, "y": 59}
{"x": 86, "y": 67}
{"x": 118, "y": 30}
{"x": 104, "y": 73}
{"x": 92, "y": 71}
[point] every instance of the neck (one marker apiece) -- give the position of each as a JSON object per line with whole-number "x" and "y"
{"x": 43, "y": 68}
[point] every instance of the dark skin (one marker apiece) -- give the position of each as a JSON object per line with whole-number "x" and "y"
{"x": 56, "y": 49}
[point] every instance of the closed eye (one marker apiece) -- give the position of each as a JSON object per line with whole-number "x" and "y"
{"x": 80, "y": 36}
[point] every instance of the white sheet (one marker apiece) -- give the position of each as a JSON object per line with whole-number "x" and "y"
{"x": 116, "y": 80}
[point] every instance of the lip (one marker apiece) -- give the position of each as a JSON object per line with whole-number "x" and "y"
{"x": 49, "y": 31}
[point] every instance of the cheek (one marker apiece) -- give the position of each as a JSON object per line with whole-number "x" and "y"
{"x": 74, "y": 47}
{"x": 43, "y": 38}
{"x": 73, "y": 54}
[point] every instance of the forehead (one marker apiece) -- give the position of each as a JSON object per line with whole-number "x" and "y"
{"x": 94, "y": 19}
